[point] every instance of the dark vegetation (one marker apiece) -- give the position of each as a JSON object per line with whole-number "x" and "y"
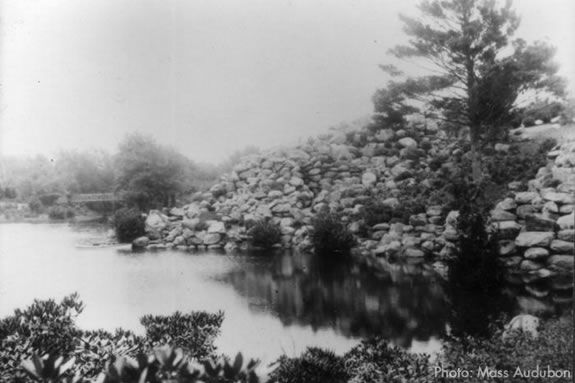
{"x": 330, "y": 236}
{"x": 265, "y": 234}
{"x": 129, "y": 224}
{"x": 61, "y": 212}
{"x": 42, "y": 343}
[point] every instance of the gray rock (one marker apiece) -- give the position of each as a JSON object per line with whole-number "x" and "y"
{"x": 529, "y": 265}
{"x": 407, "y": 142}
{"x": 450, "y": 233}
{"x": 536, "y": 291}
{"x": 156, "y": 221}
{"x": 212, "y": 239}
{"x": 506, "y": 204}
{"x": 502, "y": 215}
{"x": 551, "y": 207}
{"x": 216, "y": 227}
{"x": 368, "y": 179}
{"x": 507, "y": 229}
{"x": 559, "y": 246}
{"x": 536, "y": 253}
{"x": 506, "y": 247}
{"x": 567, "y": 221}
{"x": 525, "y": 197}
{"x": 566, "y": 235}
{"x": 534, "y": 238}
{"x": 434, "y": 211}
{"x": 523, "y": 211}
{"x": 537, "y": 275}
{"x": 140, "y": 243}
{"x": 562, "y": 198}
{"x": 538, "y": 222}
{"x": 561, "y": 262}
{"x": 525, "y": 323}
{"x": 413, "y": 253}
{"x": 511, "y": 262}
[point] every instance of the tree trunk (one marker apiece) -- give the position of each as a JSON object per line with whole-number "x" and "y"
{"x": 476, "y": 172}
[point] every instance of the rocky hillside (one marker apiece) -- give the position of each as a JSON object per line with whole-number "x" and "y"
{"x": 375, "y": 180}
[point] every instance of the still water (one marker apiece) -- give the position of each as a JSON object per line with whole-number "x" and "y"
{"x": 273, "y": 303}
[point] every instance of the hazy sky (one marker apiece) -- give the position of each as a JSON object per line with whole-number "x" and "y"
{"x": 205, "y": 76}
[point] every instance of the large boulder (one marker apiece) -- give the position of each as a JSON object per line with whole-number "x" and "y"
{"x": 140, "y": 243}
{"x": 407, "y": 142}
{"x": 537, "y": 222}
{"x": 564, "y": 263}
{"x": 525, "y": 197}
{"x": 567, "y": 221}
{"x": 522, "y": 323}
{"x": 368, "y": 179}
{"x": 156, "y": 222}
{"x": 534, "y": 238}
{"x": 216, "y": 227}
{"x": 562, "y": 247}
{"x": 212, "y": 239}
{"x": 536, "y": 253}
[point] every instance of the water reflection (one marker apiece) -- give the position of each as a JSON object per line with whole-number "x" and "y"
{"x": 301, "y": 290}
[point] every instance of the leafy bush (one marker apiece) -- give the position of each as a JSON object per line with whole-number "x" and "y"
{"x": 330, "y": 236}
{"x": 60, "y": 212}
{"x": 48, "y": 199}
{"x": 44, "y": 327}
{"x": 475, "y": 267}
{"x": 553, "y": 348}
{"x": 194, "y": 333}
{"x": 129, "y": 224}
{"x": 375, "y": 212}
{"x": 35, "y": 206}
{"x": 265, "y": 234}
{"x": 315, "y": 365}
{"x": 517, "y": 166}
{"x": 375, "y": 360}
{"x": 45, "y": 337}
{"x": 163, "y": 364}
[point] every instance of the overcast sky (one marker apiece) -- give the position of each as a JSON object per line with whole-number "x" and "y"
{"x": 205, "y": 76}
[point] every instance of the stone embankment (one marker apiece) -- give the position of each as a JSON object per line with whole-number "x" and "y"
{"x": 344, "y": 171}
{"x": 340, "y": 171}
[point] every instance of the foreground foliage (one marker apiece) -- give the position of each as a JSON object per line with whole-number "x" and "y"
{"x": 553, "y": 348}
{"x": 42, "y": 344}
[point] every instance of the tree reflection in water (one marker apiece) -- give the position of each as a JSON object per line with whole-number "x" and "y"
{"x": 305, "y": 291}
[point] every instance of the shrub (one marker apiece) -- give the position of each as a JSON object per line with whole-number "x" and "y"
{"x": 315, "y": 365}
{"x": 48, "y": 199}
{"x": 35, "y": 206}
{"x": 330, "y": 236}
{"x": 375, "y": 212}
{"x": 60, "y": 212}
{"x": 43, "y": 327}
{"x": 375, "y": 360}
{"x": 553, "y": 348}
{"x": 194, "y": 332}
{"x": 265, "y": 234}
{"x": 475, "y": 267}
{"x": 129, "y": 224}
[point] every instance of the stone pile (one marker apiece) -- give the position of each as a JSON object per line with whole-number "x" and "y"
{"x": 536, "y": 227}
{"x": 342, "y": 171}
{"x": 339, "y": 171}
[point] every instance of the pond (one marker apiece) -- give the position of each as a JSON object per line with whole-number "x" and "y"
{"x": 273, "y": 303}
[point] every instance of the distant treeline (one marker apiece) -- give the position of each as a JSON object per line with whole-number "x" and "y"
{"x": 150, "y": 174}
